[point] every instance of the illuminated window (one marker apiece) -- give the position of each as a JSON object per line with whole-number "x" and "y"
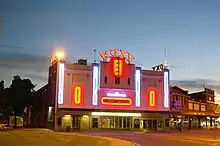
{"x": 117, "y": 67}
{"x": 152, "y": 98}
{"x": 77, "y": 94}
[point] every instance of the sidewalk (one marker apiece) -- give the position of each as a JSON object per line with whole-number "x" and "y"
{"x": 114, "y": 141}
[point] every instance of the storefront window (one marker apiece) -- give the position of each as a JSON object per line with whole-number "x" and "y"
{"x": 114, "y": 122}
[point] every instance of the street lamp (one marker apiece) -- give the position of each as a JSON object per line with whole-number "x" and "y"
{"x": 59, "y": 55}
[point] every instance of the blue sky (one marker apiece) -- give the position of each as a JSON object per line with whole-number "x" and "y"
{"x": 189, "y": 29}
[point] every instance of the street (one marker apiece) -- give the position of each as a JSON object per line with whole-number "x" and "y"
{"x": 185, "y": 138}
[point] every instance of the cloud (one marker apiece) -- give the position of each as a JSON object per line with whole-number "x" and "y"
{"x": 10, "y": 47}
{"x": 16, "y": 60}
{"x": 196, "y": 84}
{"x": 36, "y": 76}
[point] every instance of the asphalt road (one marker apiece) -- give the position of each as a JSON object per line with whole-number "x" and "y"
{"x": 193, "y": 138}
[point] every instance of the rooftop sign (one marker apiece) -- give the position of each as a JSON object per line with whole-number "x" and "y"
{"x": 112, "y": 53}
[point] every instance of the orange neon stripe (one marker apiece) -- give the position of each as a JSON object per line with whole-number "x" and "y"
{"x": 117, "y": 67}
{"x": 152, "y": 98}
{"x": 116, "y": 101}
{"x": 77, "y": 94}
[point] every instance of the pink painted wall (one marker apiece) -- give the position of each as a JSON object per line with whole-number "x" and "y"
{"x": 82, "y": 75}
{"x": 153, "y": 80}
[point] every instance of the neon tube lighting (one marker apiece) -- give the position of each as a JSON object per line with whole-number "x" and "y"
{"x": 116, "y": 114}
{"x": 77, "y": 94}
{"x": 152, "y": 98}
{"x": 61, "y": 82}
{"x": 109, "y": 99}
{"x": 166, "y": 89}
{"x": 116, "y": 94}
{"x": 137, "y": 87}
{"x": 95, "y": 85}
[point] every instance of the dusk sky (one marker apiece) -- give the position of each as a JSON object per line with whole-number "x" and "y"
{"x": 189, "y": 29}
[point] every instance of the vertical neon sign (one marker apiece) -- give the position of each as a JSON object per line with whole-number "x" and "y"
{"x": 61, "y": 82}
{"x": 137, "y": 87}
{"x": 152, "y": 98}
{"x": 166, "y": 88}
{"x": 117, "y": 67}
{"x": 77, "y": 94}
{"x": 95, "y": 85}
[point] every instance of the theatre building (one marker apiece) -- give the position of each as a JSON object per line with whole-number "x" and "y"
{"x": 110, "y": 94}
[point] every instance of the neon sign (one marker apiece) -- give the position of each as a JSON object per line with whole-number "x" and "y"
{"x": 166, "y": 88}
{"x": 138, "y": 87}
{"x": 116, "y": 94}
{"x": 60, "y": 83}
{"x": 117, "y": 67}
{"x": 77, "y": 94}
{"x": 117, "y": 53}
{"x": 159, "y": 67}
{"x": 116, "y": 101}
{"x": 152, "y": 97}
{"x": 95, "y": 86}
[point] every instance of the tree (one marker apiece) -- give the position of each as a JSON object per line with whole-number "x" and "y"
{"x": 20, "y": 95}
{"x": 1, "y": 99}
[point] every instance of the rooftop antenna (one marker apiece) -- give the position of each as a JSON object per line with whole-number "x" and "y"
{"x": 94, "y": 51}
{"x": 165, "y": 54}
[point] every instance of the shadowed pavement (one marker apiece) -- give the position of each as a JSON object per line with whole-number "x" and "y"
{"x": 187, "y": 138}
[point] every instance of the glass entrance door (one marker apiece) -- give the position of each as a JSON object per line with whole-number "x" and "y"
{"x": 154, "y": 124}
{"x": 119, "y": 122}
{"x": 76, "y": 123}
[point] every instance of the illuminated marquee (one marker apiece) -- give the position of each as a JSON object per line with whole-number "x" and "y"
{"x": 116, "y": 101}
{"x": 117, "y": 53}
{"x": 116, "y": 94}
{"x": 152, "y": 97}
{"x": 77, "y": 95}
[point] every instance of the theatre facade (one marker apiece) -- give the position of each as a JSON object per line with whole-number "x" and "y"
{"x": 106, "y": 95}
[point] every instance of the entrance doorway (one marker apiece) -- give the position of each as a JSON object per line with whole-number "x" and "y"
{"x": 76, "y": 123}
{"x": 118, "y": 122}
{"x": 150, "y": 124}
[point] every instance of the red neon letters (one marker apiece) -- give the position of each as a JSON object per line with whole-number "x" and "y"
{"x": 117, "y": 53}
